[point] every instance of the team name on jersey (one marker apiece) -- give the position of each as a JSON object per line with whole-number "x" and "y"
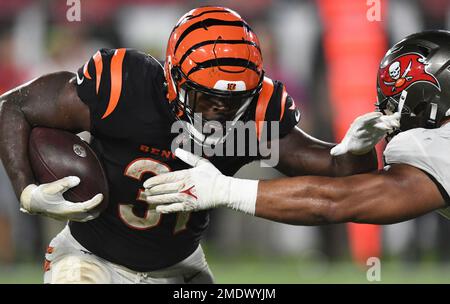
{"x": 158, "y": 152}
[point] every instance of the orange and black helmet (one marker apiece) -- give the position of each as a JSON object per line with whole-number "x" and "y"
{"x": 212, "y": 50}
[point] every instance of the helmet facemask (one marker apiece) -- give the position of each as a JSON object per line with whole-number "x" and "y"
{"x": 391, "y": 105}
{"x": 414, "y": 114}
{"x": 192, "y": 102}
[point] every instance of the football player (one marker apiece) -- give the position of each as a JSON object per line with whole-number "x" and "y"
{"x": 128, "y": 102}
{"x": 414, "y": 80}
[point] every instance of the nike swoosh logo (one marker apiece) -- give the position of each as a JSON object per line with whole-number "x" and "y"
{"x": 79, "y": 81}
{"x": 189, "y": 192}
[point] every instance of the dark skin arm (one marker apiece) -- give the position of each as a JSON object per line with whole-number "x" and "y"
{"x": 385, "y": 197}
{"x": 301, "y": 154}
{"x": 48, "y": 101}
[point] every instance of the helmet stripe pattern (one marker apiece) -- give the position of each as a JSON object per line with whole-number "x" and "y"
{"x": 208, "y": 12}
{"x": 211, "y": 45}
{"x": 212, "y": 42}
{"x": 209, "y": 23}
{"x": 219, "y": 62}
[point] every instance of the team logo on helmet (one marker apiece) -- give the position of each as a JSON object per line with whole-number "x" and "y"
{"x": 403, "y": 72}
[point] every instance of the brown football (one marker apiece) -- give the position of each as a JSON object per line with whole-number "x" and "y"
{"x": 55, "y": 154}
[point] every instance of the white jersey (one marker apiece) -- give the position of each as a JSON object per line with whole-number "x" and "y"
{"x": 425, "y": 149}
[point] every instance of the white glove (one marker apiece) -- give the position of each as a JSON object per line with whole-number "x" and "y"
{"x": 199, "y": 188}
{"x": 365, "y": 132}
{"x": 47, "y": 199}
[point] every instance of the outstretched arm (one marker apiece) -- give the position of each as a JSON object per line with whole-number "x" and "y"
{"x": 301, "y": 154}
{"x": 401, "y": 193}
{"x": 397, "y": 194}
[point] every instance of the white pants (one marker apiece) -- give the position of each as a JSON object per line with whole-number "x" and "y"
{"x": 67, "y": 262}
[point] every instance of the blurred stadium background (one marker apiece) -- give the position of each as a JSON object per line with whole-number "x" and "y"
{"x": 325, "y": 51}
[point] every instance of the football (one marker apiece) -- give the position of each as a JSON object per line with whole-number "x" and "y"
{"x": 55, "y": 154}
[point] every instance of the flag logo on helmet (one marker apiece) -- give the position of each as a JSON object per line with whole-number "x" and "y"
{"x": 403, "y": 72}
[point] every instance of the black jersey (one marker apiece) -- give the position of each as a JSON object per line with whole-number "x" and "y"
{"x": 130, "y": 123}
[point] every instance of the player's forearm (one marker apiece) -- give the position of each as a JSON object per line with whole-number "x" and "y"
{"x": 373, "y": 198}
{"x": 14, "y": 134}
{"x": 321, "y": 163}
{"x": 305, "y": 200}
{"x": 302, "y": 154}
{"x": 349, "y": 164}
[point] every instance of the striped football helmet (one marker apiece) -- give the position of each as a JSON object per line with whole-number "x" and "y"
{"x": 214, "y": 53}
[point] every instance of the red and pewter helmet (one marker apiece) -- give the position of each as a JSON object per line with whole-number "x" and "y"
{"x": 212, "y": 51}
{"x": 415, "y": 76}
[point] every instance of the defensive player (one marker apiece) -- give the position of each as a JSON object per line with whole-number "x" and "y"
{"x": 413, "y": 79}
{"x": 129, "y": 102}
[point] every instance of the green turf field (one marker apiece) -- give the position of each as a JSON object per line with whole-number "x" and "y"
{"x": 289, "y": 270}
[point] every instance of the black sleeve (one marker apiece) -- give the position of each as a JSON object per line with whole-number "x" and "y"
{"x": 121, "y": 88}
